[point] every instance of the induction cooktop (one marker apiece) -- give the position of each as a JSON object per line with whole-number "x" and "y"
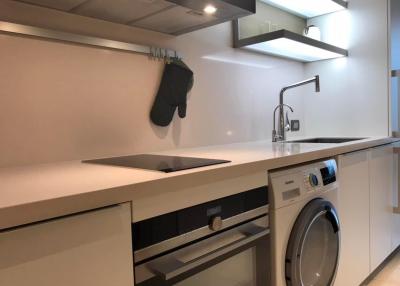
{"x": 161, "y": 163}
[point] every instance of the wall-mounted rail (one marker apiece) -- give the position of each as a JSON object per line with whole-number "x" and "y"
{"x": 24, "y": 30}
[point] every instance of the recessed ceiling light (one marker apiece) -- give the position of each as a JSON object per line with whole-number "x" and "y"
{"x": 210, "y": 9}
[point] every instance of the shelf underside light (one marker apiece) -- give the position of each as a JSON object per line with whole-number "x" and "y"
{"x": 309, "y": 8}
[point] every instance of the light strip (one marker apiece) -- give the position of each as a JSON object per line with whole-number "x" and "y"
{"x": 293, "y": 49}
{"x": 309, "y": 8}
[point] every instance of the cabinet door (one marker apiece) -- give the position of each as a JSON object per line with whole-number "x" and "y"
{"x": 353, "y": 208}
{"x": 396, "y": 213}
{"x": 93, "y": 248}
{"x": 381, "y": 207}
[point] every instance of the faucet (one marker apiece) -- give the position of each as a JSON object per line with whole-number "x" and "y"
{"x": 280, "y": 135}
{"x": 276, "y": 137}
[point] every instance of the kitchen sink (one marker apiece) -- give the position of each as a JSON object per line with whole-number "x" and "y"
{"x": 331, "y": 140}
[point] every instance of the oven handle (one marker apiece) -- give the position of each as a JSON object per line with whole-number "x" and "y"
{"x": 173, "y": 271}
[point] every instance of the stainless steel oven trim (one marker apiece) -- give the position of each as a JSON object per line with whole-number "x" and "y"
{"x": 177, "y": 241}
{"x": 172, "y": 269}
{"x": 169, "y": 274}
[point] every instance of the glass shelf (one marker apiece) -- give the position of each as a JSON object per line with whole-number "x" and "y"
{"x": 287, "y": 44}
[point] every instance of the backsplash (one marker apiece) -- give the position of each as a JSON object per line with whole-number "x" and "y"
{"x": 354, "y": 90}
{"x": 61, "y": 101}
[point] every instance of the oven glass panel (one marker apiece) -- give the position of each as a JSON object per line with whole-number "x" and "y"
{"x": 246, "y": 268}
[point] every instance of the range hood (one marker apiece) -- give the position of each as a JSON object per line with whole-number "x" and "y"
{"x": 171, "y": 17}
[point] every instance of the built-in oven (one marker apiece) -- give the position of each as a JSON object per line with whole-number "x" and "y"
{"x": 223, "y": 242}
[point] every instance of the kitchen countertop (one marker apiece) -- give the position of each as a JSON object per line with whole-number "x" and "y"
{"x": 39, "y": 192}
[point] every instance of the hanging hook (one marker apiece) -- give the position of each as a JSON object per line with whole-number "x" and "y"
{"x": 167, "y": 57}
{"x": 157, "y": 52}
{"x": 163, "y": 54}
{"x": 160, "y": 54}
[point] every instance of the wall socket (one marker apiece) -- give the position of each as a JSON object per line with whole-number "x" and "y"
{"x": 294, "y": 125}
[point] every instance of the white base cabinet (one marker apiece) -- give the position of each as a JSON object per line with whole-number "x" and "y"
{"x": 369, "y": 229}
{"x": 396, "y": 215}
{"x": 381, "y": 203}
{"x": 93, "y": 248}
{"x": 353, "y": 212}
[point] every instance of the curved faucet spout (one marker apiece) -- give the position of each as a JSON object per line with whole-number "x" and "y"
{"x": 315, "y": 79}
{"x": 281, "y": 134}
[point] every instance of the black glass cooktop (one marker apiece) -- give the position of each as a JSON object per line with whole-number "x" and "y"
{"x": 161, "y": 163}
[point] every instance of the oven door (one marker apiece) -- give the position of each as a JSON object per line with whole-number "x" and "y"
{"x": 239, "y": 256}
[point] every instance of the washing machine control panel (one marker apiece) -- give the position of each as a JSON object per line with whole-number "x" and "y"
{"x": 298, "y": 183}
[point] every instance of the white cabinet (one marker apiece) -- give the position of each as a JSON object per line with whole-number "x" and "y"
{"x": 92, "y": 248}
{"x": 381, "y": 203}
{"x": 369, "y": 229}
{"x": 396, "y": 215}
{"x": 354, "y": 218}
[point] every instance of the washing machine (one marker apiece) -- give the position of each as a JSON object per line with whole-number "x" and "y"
{"x": 305, "y": 227}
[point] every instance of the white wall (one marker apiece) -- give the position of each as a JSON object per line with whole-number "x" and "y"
{"x": 354, "y": 90}
{"x": 60, "y": 101}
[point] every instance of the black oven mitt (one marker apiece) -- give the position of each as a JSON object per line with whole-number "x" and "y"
{"x": 176, "y": 82}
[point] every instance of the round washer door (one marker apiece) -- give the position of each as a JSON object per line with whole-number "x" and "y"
{"x": 312, "y": 254}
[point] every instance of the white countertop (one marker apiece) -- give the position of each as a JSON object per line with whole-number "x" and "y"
{"x": 34, "y": 193}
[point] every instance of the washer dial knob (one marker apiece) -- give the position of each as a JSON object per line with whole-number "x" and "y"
{"x": 313, "y": 180}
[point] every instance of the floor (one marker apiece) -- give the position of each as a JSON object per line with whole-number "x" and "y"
{"x": 389, "y": 275}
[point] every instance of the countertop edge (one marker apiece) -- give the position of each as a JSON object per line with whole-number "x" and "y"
{"x": 23, "y": 214}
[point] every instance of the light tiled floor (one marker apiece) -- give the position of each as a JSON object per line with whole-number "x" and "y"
{"x": 389, "y": 275}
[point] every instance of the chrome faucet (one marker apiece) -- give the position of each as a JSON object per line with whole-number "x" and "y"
{"x": 282, "y": 128}
{"x": 278, "y": 137}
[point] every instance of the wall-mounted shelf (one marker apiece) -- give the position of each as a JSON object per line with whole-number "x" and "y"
{"x": 309, "y": 8}
{"x": 287, "y": 44}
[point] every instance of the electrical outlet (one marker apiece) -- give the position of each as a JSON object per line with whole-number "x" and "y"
{"x": 294, "y": 125}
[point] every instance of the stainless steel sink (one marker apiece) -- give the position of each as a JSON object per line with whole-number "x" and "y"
{"x": 331, "y": 140}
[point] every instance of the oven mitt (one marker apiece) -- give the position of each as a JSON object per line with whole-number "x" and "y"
{"x": 176, "y": 82}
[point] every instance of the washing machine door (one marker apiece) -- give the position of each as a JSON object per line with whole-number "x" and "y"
{"x": 312, "y": 254}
